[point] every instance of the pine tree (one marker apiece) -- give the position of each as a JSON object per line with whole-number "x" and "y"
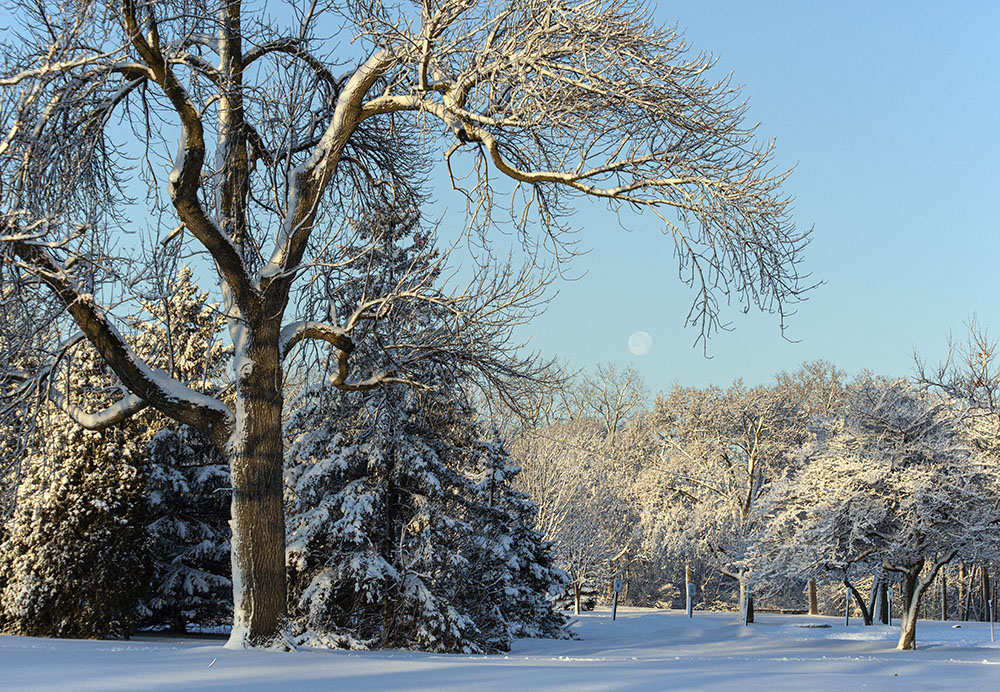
{"x": 519, "y": 561}
{"x": 188, "y": 494}
{"x": 375, "y": 527}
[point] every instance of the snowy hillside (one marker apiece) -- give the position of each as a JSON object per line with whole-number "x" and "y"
{"x": 641, "y": 650}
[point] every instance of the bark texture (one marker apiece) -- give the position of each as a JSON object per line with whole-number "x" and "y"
{"x": 256, "y": 458}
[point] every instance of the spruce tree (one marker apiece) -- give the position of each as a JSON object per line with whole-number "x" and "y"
{"x": 518, "y": 561}
{"x": 391, "y": 541}
{"x": 188, "y": 488}
{"x": 376, "y": 525}
{"x": 188, "y": 495}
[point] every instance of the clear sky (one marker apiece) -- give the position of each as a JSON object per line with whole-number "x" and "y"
{"x": 891, "y": 111}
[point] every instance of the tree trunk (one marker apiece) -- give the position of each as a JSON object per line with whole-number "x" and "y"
{"x": 963, "y": 592}
{"x": 865, "y": 613}
{"x": 911, "y": 602}
{"x": 741, "y": 608}
{"x": 985, "y": 583}
{"x": 883, "y": 601}
{"x": 256, "y": 463}
{"x": 944, "y": 595}
{"x": 813, "y": 600}
{"x": 688, "y": 599}
{"x": 873, "y": 596}
{"x": 576, "y": 597}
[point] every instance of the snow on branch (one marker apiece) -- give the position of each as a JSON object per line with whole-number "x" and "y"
{"x": 97, "y": 420}
{"x": 293, "y": 333}
{"x": 147, "y": 385}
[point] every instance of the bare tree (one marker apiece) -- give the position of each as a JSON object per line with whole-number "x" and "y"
{"x": 818, "y": 387}
{"x": 256, "y": 158}
{"x": 580, "y": 478}
{"x": 610, "y": 394}
{"x": 970, "y": 373}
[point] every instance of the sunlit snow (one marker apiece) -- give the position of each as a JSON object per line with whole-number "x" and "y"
{"x": 641, "y": 650}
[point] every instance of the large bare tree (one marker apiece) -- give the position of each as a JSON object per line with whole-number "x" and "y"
{"x": 136, "y": 134}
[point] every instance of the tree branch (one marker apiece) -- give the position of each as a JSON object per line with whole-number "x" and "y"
{"x": 153, "y": 387}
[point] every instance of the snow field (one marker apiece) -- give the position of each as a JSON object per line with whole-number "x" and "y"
{"x": 641, "y": 650}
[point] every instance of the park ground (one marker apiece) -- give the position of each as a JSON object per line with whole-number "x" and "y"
{"x": 641, "y": 650}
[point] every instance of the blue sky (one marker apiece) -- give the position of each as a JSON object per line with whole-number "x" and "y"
{"x": 891, "y": 112}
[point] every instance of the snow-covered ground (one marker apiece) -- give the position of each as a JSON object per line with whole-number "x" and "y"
{"x": 641, "y": 650}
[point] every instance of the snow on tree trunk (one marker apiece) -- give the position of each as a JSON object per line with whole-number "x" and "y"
{"x": 912, "y": 591}
{"x": 741, "y": 608}
{"x": 256, "y": 460}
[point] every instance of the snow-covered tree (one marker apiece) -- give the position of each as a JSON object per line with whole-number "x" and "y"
{"x": 391, "y": 541}
{"x": 176, "y": 516}
{"x": 511, "y": 555}
{"x": 187, "y": 490}
{"x": 580, "y": 478}
{"x": 719, "y": 449}
{"x": 187, "y": 479}
{"x": 251, "y": 152}
{"x": 896, "y": 480}
{"x": 76, "y": 558}
{"x": 817, "y": 387}
{"x": 387, "y": 542}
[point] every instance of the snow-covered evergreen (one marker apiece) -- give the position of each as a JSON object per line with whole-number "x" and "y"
{"x": 404, "y": 531}
{"x": 515, "y": 558}
{"x": 75, "y": 560}
{"x": 373, "y": 527}
{"x": 187, "y": 489}
{"x": 126, "y": 525}
{"x": 391, "y": 540}
{"x": 188, "y": 495}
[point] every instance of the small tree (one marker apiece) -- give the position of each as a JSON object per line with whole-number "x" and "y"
{"x": 188, "y": 494}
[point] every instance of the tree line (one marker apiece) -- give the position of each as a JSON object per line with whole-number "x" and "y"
{"x": 812, "y": 487}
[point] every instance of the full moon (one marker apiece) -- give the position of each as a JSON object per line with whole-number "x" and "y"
{"x": 640, "y": 343}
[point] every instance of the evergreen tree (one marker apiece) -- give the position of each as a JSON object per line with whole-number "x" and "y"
{"x": 376, "y": 523}
{"x": 75, "y": 560}
{"x": 188, "y": 481}
{"x": 390, "y": 539}
{"x": 94, "y": 509}
{"x": 519, "y": 561}
{"x": 188, "y": 495}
